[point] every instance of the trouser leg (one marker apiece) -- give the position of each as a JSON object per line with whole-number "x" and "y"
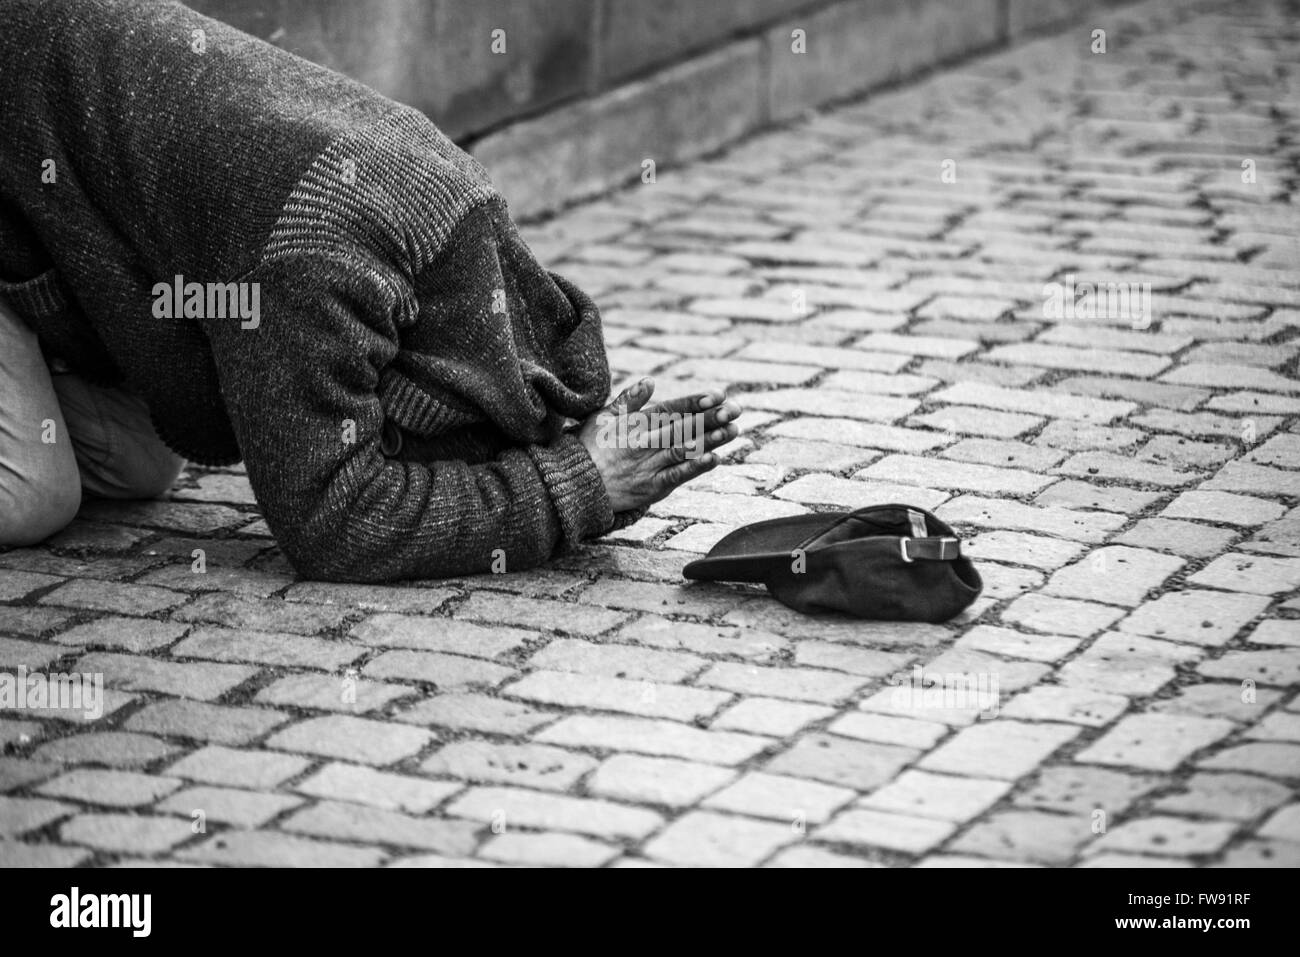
{"x": 119, "y": 455}
{"x": 40, "y": 489}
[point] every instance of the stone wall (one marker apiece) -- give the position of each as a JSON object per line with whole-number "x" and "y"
{"x": 565, "y": 98}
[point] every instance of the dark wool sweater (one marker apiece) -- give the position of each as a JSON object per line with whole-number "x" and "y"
{"x": 397, "y": 300}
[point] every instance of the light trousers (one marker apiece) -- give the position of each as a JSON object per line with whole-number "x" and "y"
{"x": 62, "y": 437}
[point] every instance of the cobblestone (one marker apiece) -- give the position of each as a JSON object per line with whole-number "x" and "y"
{"x": 1115, "y": 575}
{"x": 353, "y": 739}
{"x": 126, "y": 634}
{"x": 126, "y": 833}
{"x": 19, "y": 815}
{"x": 276, "y": 849}
{"x": 361, "y": 785}
{"x": 617, "y": 661}
{"x": 1127, "y": 489}
{"x": 1092, "y": 527}
{"x": 206, "y": 682}
{"x": 770, "y": 716}
{"x": 444, "y": 671}
{"x": 543, "y": 850}
{"x": 935, "y": 473}
{"x": 1071, "y": 705}
{"x": 1109, "y": 498}
{"x": 1157, "y": 742}
{"x": 440, "y": 635}
{"x": 1126, "y": 665}
{"x": 330, "y": 693}
{"x": 370, "y": 825}
{"x": 781, "y": 798}
{"x": 861, "y": 765}
{"x": 245, "y": 809}
{"x": 474, "y": 712}
{"x": 1122, "y": 468}
{"x": 1065, "y": 616}
{"x": 256, "y": 770}
{"x": 1015, "y": 644}
{"x": 1241, "y": 797}
{"x": 599, "y": 693}
{"x": 970, "y": 420}
{"x": 517, "y": 807}
{"x": 1182, "y": 538}
{"x": 1080, "y": 790}
{"x": 1223, "y": 507}
{"x": 645, "y": 736}
{"x": 112, "y": 596}
{"x": 1236, "y": 702}
{"x": 705, "y": 839}
{"x": 1002, "y": 749}
{"x": 1283, "y": 825}
{"x": 1026, "y": 836}
{"x": 1200, "y": 617}
{"x": 800, "y": 684}
{"x": 942, "y": 796}
{"x": 1036, "y": 402}
{"x": 1249, "y": 573}
{"x": 1167, "y": 835}
{"x": 204, "y": 722}
{"x": 1263, "y": 759}
{"x": 904, "y": 833}
{"x": 528, "y": 765}
{"x": 110, "y": 788}
{"x": 1279, "y": 668}
{"x": 30, "y": 654}
{"x": 889, "y": 729}
{"x": 114, "y": 748}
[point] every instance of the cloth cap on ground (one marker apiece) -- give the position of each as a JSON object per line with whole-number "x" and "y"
{"x": 884, "y": 562}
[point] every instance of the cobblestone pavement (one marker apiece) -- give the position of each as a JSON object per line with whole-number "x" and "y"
{"x": 1131, "y": 487}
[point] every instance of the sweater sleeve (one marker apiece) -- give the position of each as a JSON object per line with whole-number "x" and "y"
{"x": 301, "y": 392}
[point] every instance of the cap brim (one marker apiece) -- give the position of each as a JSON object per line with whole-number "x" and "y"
{"x": 750, "y": 553}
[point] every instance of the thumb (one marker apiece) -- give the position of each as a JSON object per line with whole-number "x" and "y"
{"x": 634, "y": 396}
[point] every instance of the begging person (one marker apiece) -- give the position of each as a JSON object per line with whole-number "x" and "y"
{"x": 213, "y": 250}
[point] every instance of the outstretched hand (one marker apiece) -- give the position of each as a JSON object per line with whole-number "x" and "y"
{"x": 643, "y": 451}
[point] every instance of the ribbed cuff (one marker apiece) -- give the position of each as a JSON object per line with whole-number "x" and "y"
{"x": 576, "y": 488}
{"x": 415, "y": 409}
{"x": 630, "y": 517}
{"x": 35, "y": 298}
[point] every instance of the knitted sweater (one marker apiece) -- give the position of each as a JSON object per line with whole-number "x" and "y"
{"x": 142, "y": 144}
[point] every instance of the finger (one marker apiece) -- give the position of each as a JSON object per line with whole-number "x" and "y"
{"x": 700, "y": 402}
{"x": 720, "y": 437}
{"x": 700, "y": 421}
{"x": 696, "y": 448}
{"x": 634, "y": 396}
{"x": 668, "y": 429}
{"x": 729, "y": 411}
{"x": 683, "y": 472}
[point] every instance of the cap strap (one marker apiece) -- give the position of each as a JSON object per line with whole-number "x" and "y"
{"x": 930, "y": 549}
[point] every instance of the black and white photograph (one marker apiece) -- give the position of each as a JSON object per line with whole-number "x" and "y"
{"x": 696, "y": 434}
